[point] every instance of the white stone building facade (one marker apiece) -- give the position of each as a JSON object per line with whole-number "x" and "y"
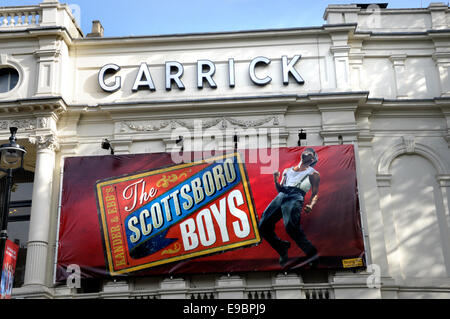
{"x": 377, "y": 78}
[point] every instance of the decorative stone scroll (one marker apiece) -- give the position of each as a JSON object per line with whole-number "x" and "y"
{"x": 44, "y": 142}
{"x": 409, "y": 143}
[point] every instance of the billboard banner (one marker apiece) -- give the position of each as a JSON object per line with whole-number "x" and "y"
{"x": 8, "y": 269}
{"x": 145, "y": 214}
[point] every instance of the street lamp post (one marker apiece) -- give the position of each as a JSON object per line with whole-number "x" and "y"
{"x": 11, "y": 160}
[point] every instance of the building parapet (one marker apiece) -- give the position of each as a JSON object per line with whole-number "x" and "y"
{"x": 49, "y": 13}
{"x": 377, "y": 17}
{"x": 20, "y": 17}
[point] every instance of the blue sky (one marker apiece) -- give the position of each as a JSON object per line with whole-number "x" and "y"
{"x": 155, "y": 17}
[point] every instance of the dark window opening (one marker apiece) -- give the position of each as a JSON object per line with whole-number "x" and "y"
{"x": 9, "y": 78}
{"x": 90, "y": 285}
{"x": 19, "y": 217}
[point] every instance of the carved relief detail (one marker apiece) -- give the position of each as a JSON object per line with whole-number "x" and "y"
{"x": 42, "y": 142}
{"x": 204, "y": 124}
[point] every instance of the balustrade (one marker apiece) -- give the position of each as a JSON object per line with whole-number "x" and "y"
{"x": 19, "y": 17}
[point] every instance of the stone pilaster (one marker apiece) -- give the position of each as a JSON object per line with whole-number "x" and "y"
{"x": 174, "y": 288}
{"x": 401, "y": 76}
{"x": 230, "y": 287}
{"x": 48, "y": 58}
{"x": 288, "y": 286}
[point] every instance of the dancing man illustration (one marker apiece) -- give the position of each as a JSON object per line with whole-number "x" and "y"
{"x": 288, "y": 204}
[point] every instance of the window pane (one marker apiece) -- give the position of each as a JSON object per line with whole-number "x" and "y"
{"x": 13, "y": 80}
{"x": 19, "y": 211}
{"x": 21, "y": 191}
{"x": 19, "y": 217}
{"x": 4, "y": 84}
{"x": 18, "y": 232}
{"x": 19, "y": 275}
{"x": 8, "y": 79}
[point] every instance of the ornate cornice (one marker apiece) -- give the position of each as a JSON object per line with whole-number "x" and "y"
{"x": 43, "y": 105}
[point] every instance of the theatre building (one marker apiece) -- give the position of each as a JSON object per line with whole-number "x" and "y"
{"x": 149, "y": 162}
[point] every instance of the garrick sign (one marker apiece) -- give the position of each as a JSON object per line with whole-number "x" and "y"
{"x": 205, "y": 72}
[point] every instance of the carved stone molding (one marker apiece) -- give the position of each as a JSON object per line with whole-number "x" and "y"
{"x": 43, "y": 122}
{"x": 51, "y": 54}
{"x": 384, "y": 180}
{"x": 203, "y": 124}
{"x": 69, "y": 147}
{"x": 253, "y": 123}
{"x": 444, "y": 180}
{"x": 365, "y": 139}
{"x": 409, "y": 143}
{"x": 27, "y": 123}
{"x": 45, "y": 142}
{"x": 22, "y": 124}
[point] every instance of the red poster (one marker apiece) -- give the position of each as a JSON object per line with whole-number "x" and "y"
{"x": 147, "y": 214}
{"x": 8, "y": 269}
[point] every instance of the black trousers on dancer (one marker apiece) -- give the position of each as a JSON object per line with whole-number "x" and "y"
{"x": 288, "y": 205}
